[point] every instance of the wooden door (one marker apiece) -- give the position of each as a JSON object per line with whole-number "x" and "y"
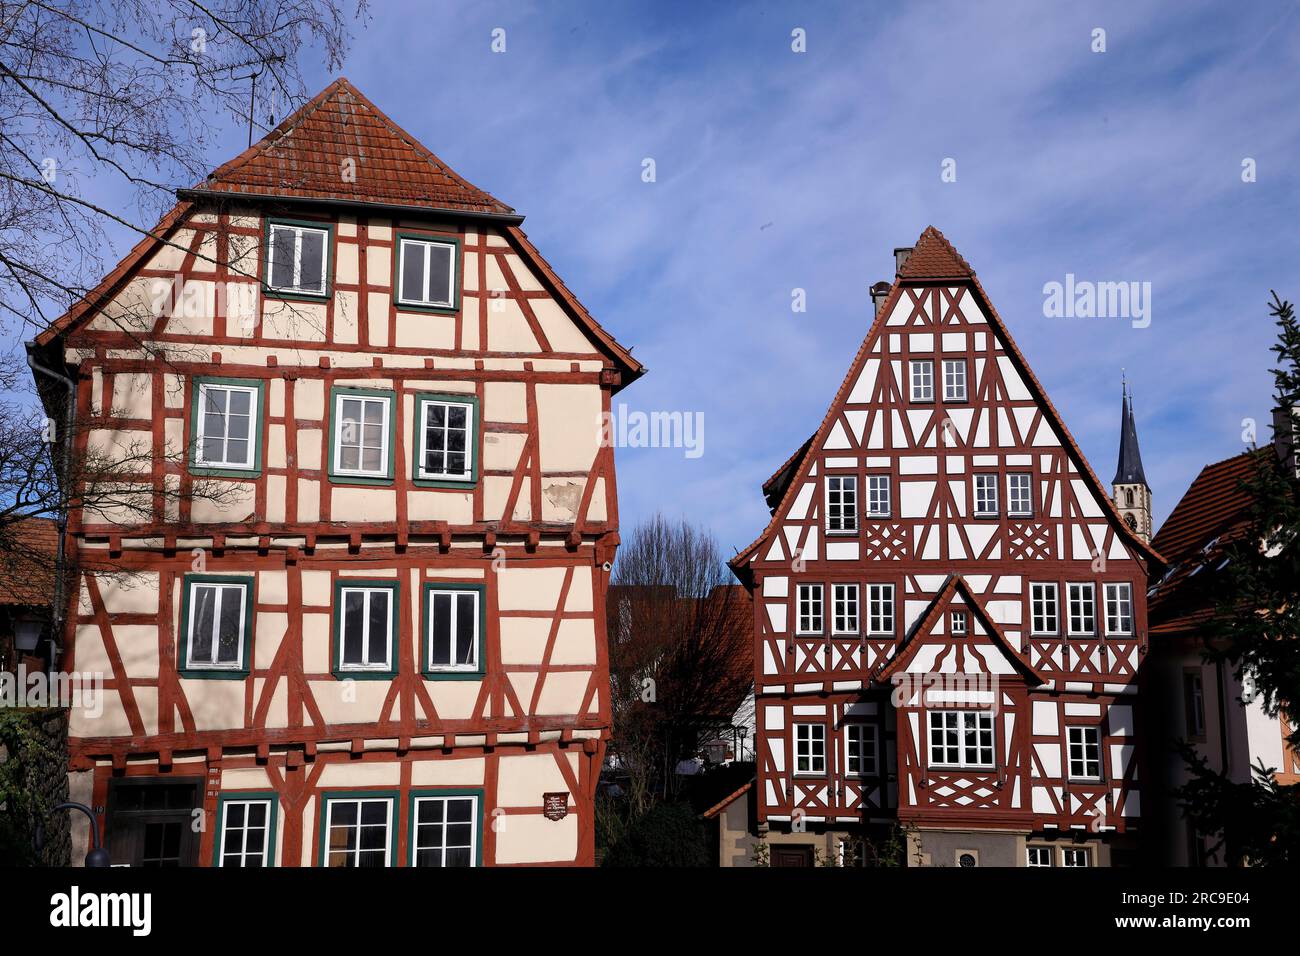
{"x": 792, "y": 855}
{"x": 152, "y": 822}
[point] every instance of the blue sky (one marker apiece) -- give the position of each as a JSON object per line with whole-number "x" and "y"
{"x": 778, "y": 170}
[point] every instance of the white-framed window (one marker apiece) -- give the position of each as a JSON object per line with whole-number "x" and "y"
{"x": 861, "y": 750}
{"x": 1020, "y": 496}
{"x": 1085, "y": 753}
{"x": 1076, "y": 856}
{"x": 426, "y": 272}
{"x": 226, "y": 426}
{"x": 1119, "y": 608}
{"x": 454, "y": 631}
{"x": 446, "y": 449}
{"x": 366, "y": 628}
{"x": 358, "y": 831}
{"x": 218, "y": 613}
{"x": 954, "y": 380}
{"x": 844, "y": 609}
{"x": 1039, "y": 856}
{"x": 1083, "y": 608}
{"x": 986, "y": 495}
{"x": 810, "y": 609}
{"x": 922, "y": 380}
{"x": 958, "y": 619}
{"x": 1045, "y": 612}
{"x": 362, "y": 434}
{"x": 297, "y": 258}
{"x": 880, "y": 609}
{"x": 878, "y": 499}
{"x": 246, "y": 833}
{"x": 841, "y": 503}
{"x": 961, "y": 738}
{"x": 444, "y": 831}
{"x": 1194, "y": 703}
{"x": 809, "y": 748}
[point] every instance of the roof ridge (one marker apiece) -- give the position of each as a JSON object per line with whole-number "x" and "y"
{"x": 934, "y": 257}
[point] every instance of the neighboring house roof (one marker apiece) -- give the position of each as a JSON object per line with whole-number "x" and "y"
{"x": 304, "y": 159}
{"x": 933, "y": 260}
{"x": 726, "y": 801}
{"x": 28, "y": 548}
{"x": 1214, "y": 511}
{"x": 340, "y": 147}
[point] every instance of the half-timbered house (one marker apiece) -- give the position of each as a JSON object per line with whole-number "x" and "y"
{"x": 383, "y": 643}
{"x": 949, "y": 610}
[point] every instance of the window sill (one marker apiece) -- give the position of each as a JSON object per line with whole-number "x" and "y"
{"x": 200, "y": 673}
{"x": 360, "y": 480}
{"x": 343, "y": 674}
{"x": 217, "y": 471}
{"x": 453, "y": 675}
{"x": 428, "y": 308}
{"x": 457, "y": 484}
{"x": 322, "y": 297}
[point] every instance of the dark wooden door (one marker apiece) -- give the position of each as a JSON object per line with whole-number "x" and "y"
{"x": 152, "y": 822}
{"x": 796, "y": 855}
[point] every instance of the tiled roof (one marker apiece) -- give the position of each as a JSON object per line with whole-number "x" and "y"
{"x": 341, "y": 147}
{"x": 1213, "y": 512}
{"x": 932, "y": 258}
{"x": 27, "y": 551}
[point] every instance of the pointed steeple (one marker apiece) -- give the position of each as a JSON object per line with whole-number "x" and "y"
{"x": 1129, "y": 470}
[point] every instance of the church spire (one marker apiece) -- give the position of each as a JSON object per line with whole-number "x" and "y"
{"x": 1130, "y": 492}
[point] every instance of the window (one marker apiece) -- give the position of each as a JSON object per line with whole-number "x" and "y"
{"x": 1085, "y": 753}
{"x": 860, "y": 750}
{"x": 246, "y": 833}
{"x": 958, "y": 623}
{"x": 954, "y": 380}
{"x": 444, "y": 830}
{"x": 217, "y": 623}
{"x": 878, "y": 504}
{"x": 297, "y": 258}
{"x": 809, "y": 748}
{"x": 358, "y": 831}
{"x": 844, "y": 609}
{"x": 1076, "y": 856}
{"x": 986, "y": 496}
{"x": 226, "y": 426}
{"x": 1194, "y": 703}
{"x": 961, "y": 738}
{"x": 453, "y": 629}
{"x": 426, "y": 272}
{"x": 446, "y": 440}
{"x": 810, "y": 609}
{"x": 922, "y": 380}
{"x": 1119, "y": 609}
{"x": 363, "y": 438}
{"x": 841, "y": 503}
{"x": 1038, "y": 856}
{"x": 1083, "y": 609}
{"x": 1044, "y": 613}
{"x": 366, "y": 616}
{"x": 880, "y": 608}
{"x": 1020, "y": 500}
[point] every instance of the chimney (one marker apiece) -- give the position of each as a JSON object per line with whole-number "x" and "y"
{"x": 901, "y": 255}
{"x": 879, "y": 291}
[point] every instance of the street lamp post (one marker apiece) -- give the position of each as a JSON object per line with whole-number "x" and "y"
{"x": 98, "y": 854}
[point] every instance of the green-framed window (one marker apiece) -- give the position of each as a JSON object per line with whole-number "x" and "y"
{"x": 426, "y": 272}
{"x": 365, "y": 628}
{"x": 226, "y": 426}
{"x": 216, "y": 625}
{"x": 446, "y": 828}
{"x": 454, "y": 620}
{"x": 362, "y": 435}
{"x": 358, "y": 828}
{"x": 446, "y": 440}
{"x": 297, "y": 258}
{"x": 246, "y": 826}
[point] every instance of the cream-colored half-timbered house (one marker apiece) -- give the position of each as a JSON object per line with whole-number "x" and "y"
{"x": 381, "y": 641}
{"x": 949, "y": 612}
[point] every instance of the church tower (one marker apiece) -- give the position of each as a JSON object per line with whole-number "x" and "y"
{"x": 1131, "y": 494}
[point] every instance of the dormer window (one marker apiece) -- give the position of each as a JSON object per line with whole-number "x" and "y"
{"x": 297, "y": 258}
{"x": 426, "y": 273}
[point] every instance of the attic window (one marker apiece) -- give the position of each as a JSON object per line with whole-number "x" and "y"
{"x": 296, "y": 258}
{"x": 427, "y": 273}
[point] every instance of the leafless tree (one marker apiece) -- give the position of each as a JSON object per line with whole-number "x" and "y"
{"x": 679, "y": 633}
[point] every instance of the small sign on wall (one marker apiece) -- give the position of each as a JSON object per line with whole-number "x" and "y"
{"x": 555, "y": 806}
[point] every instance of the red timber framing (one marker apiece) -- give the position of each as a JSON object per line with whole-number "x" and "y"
{"x": 532, "y": 532}
{"x": 915, "y": 545}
